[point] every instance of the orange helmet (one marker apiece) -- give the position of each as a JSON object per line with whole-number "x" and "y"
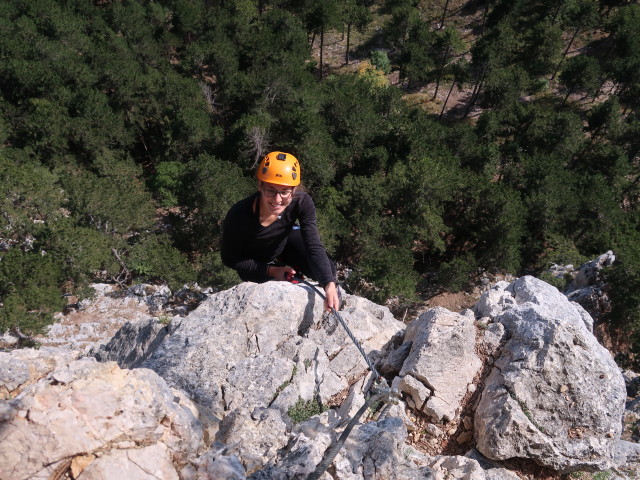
{"x": 279, "y": 168}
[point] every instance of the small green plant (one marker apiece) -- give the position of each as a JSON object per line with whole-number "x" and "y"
{"x": 304, "y": 409}
{"x": 164, "y": 320}
{"x": 307, "y": 363}
{"x": 605, "y": 475}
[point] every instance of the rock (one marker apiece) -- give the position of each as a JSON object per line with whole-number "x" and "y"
{"x": 132, "y": 343}
{"x": 146, "y": 463}
{"x": 494, "y": 470}
{"x": 627, "y": 459}
{"x": 588, "y": 288}
{"x": 632, "y": 381}
{"x": 122, "y": 423}
{"x": 374, "y": 450}
{"x": 492, "y": 337}
{"x": 459, "y": 467}
{"x": 589, "y": 272}
{"x": 95, "y": 321}
{"x": 9, "y": 340}
{"x": 522, "y": 411}
{"x": 494, "y": 301}
{"x": 267, "y": 345}
{"x": 20, "y": 368}
{"x": 215, "y": 464}
{"x": 441, "y": 364}
{"x": 248, "y": 354}
{"x": 254, "y": 438}
{"x": 305, "y": 450}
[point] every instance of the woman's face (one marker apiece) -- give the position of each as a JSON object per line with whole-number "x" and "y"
{"x": 275, "y": 198}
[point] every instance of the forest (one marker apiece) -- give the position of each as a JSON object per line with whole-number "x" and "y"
{"x": 129, "y": 128}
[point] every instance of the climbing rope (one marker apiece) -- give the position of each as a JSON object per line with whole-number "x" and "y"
{"x": 385, "y": 394}
{"x": 298, "y": 278}
{"x": 380, "y": 390}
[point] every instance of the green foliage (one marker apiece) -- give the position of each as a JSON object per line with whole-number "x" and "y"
{"x": 31, "y": 196}
{"x": 559, "y": 250}
{"x": 380, "y": 60}
{"x": 167, "y": 182}
{"x": 112, "y": 201}
{"x": 305, "y": 409}
{"x": 211, "y": 271}
{"x": 155, "y": 258}
{"x": 110, "y": 110}
{"x": 559, "y": 282}
{"x": 211, "y": 187}
{"x": 624, "y": 277}
{"x": 384, "y": 272}
{"x": 30, "y": 288}
{"x": 458, "y": 273}
{"x": 416, "y": 59}
{"x": 581, "y": 74}
{"x": 82, "y": 251}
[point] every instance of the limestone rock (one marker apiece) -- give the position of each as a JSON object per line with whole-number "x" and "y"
{"x": 588, "y": 288}
{"x": 442, "y": 362}
{"x": 128, "y": 418}
{"x": 23, "y": 367}
{"x": 555, "y": 395}
{"x": 374, "y": 450}
{"x": 494, "y": 301}
{"x": 253, "y": 437}
{"x": 589, "y": 272}
{"x": 261, "y": 346}
{"x": 131, "y": 344}
{"x": 465, "y": 468}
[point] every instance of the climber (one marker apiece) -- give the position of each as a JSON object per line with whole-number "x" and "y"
{"x": 274, "y": 230}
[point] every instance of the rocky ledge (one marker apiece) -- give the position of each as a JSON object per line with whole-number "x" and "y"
{"x": 257, "y": 382}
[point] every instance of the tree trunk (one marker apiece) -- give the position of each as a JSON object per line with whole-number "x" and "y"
{"x": 484, "y": 17}
{"x": 566, "y": 50}
{"x": 346, "y": 55}
{"x": 556, "y": 13}
{"x": 567, "y": 96}
{"x": 444, "y": 14}
{"x": 453, "y": 84}
{"x": 444, "y": 63}
{"x": 599, "y": 89}
{"x": 474, "y": 96}
{"x": 321, "y": 51}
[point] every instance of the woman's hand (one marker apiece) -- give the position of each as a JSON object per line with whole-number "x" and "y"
{"x": 331, "y": 297}
{"x": 279, "y": 273}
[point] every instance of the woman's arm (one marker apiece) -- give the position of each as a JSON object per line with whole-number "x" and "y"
{"x": 234, "y": 233}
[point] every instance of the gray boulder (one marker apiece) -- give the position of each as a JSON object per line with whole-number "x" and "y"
{"x": 441, "y": 364}
{"x": 588, "y": 288}
{"x": 555, "y": 395}
{"x": 589, "y": 272}
{"x": 97, "y": 420}
{"x": 261, "y": 346}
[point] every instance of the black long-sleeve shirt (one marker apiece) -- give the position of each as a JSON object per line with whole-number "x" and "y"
{"x": 248, "y": 247}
